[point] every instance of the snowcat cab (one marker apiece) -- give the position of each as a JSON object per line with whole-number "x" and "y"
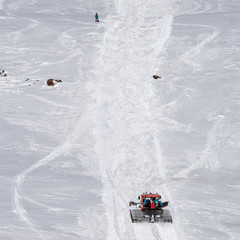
{"x": 148, "y": 209}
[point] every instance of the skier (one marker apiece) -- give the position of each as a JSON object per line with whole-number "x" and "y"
{"x": 96, "y": 17}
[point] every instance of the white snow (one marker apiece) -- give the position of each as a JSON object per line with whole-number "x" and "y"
{"x": 73, "y": 155}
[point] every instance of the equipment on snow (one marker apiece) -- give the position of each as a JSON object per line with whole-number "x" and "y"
{"x": 144, "y": 210}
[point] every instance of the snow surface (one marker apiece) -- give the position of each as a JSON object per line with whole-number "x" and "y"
{"x": 73, "y": 155}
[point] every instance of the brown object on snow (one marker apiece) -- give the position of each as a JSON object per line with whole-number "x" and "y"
{"x": 156, "y": 76}
{"x": 50, "y": 82}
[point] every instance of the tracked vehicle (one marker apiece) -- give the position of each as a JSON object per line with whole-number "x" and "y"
{"x": 149, "y": 209}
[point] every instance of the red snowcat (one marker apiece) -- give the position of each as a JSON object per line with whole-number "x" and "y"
{"x": 150, "y": 209}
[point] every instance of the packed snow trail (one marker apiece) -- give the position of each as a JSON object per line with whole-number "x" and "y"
{"x": 126, "y": 129}
{"x": 148, "y": 134}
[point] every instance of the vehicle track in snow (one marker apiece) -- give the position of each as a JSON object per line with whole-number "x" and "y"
{"x": 125, "y": 124}
{"x": 126, "y": 128}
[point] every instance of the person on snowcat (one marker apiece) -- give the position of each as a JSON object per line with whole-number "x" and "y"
{"x": 147, "y": 203}
{"x": 151, "y": 201}
{"x": 153, "y": 204}
{"x": 158, "y": 203}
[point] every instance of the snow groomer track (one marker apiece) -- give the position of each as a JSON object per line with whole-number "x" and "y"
{"x": 73, "y": 155}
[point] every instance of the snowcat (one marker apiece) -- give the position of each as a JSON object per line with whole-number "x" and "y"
{"x": 149, "y": 209}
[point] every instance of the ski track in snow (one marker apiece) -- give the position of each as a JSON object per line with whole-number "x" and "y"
{"x": 208, "y": 158}
{"x": 17, "y": 191}
{"x": 190, "y": 54}
{"x": 53, "y": 103}
{"x": 126, "y": 130}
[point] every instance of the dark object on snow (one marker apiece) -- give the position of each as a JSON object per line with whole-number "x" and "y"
{"x": 156, "y": 76}
{"x": 144, "y": 212}
{"x": 50, "y": 82}
{"x": 2, "y": 73}
{"x": 31, "y": 81}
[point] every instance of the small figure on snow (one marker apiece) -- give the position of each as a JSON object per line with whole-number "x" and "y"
{"x": 96, "y": 17}
{"x": 156, "y": 76}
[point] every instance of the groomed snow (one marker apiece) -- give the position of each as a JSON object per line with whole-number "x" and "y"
{"x": 73, "y": 155}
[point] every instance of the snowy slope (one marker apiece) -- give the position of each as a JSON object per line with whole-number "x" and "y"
{"x": 73, "y": 155}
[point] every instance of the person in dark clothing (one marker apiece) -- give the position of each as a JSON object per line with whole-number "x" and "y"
{"x": 147, "y": 203}
{"x": 96, "y": 17}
